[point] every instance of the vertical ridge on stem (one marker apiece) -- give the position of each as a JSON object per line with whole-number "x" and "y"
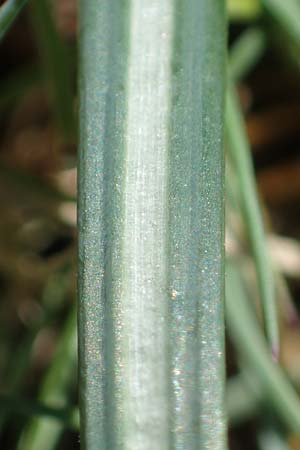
{"x": 196, "y": 227}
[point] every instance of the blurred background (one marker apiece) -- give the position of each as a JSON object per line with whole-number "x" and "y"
{"x": 38, "y": 104}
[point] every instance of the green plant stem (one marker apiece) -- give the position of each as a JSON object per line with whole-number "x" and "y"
{"x": 250, "y": 343}
{"x": 244, "y": 54}
{"x": 45, "y": 432}
{"x": 56, "y": 64}
{"x": 237, "y": 228}
{"x": 151, "y": 329}
{"x": 8, "y": 13}
{"x": 239, "y": 153}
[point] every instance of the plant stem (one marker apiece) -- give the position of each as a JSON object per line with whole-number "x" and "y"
{"x": 56, "y": 64}
{"x": 44, "y": 432}
{"x": 240, "y": 155}
{"x": 151, "y": 331}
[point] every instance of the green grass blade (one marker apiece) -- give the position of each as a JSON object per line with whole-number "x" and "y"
{"x": 8, "y": 13}
{"x": 246, "y": 51}
{"x": 244, "y": 55}
{"x": 44, "y": 433}
{"x": 269, "y": 439}
{"x": 151, "y": 225}
{"x": 55, "y": 59}
{"x": 250, "y": 343}
{"x": 52, "y": 301}
{"x": 239, "y": 152}
{"x": 287, "y": 15}
{"x": 196, "y": 227}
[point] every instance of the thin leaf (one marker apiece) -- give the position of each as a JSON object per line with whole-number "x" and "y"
{"x": 45, "y": 432}
{"x": 244, "y": 55}
{"x": 250, "y": 343}
{"x": 239, "y": 152}
{"x": 287, "y": 15}
{"x": 56, "y": 64}
{"x": 52, "y": 301}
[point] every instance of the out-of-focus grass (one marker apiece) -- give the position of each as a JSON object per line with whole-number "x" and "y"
{"x": 37, "y": 278}
{"x": 56, "y": 387}
{"x": 244, "y": 401}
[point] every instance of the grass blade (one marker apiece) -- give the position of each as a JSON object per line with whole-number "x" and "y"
{"x": 287, "y": 14}
{"x": 52, "y": 302}
{"x": 151, "y": 330}
{"x": 8, "y": 13}
{"x": 56, "y": 64}
{"x": 250, "y": 343}
{"x": 246, "y": 51}
{"x": 269, "y": 439}
{"x": 240, "y": 155}
{"x": 196, "y": 228}
{"x": 44, "y": 432}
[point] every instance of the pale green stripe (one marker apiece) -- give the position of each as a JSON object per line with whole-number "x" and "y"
{"x": 143, "y": 297}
